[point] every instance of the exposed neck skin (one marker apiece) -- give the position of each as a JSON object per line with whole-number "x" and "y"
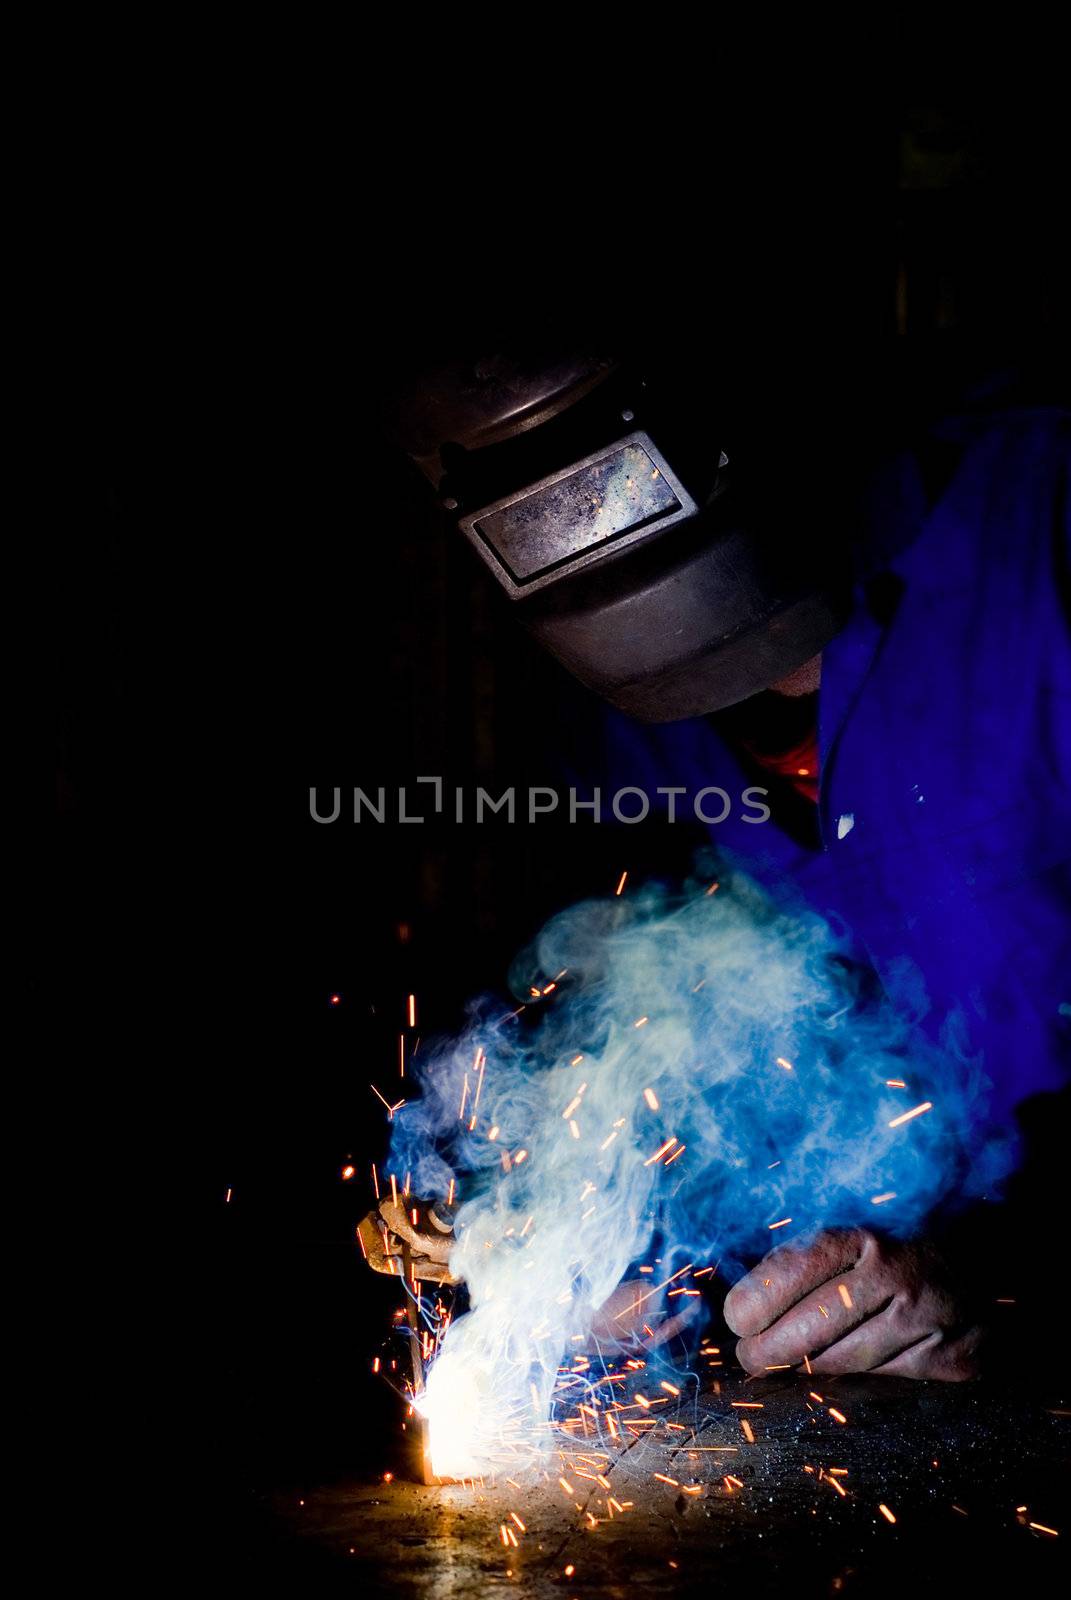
{"x": 804, "y": 680}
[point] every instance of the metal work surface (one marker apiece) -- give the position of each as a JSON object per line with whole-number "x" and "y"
{"x": 974, "y": 1475}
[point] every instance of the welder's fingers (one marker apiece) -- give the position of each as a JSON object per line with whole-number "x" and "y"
{"x": 622, "y": 1317}
{"x": 913, "y": 1303}
{"x": 819, "y": 1320}
{"x": 786, "y": 1275}
{"x": 633, "y": 1316}
{"x": 424, "y": 1242}
{"x": 664, "y": 1331}
{"x": 892, "y": 1312}
{"x": 903, "y": 1341}
{"x": 949, "y": 1360}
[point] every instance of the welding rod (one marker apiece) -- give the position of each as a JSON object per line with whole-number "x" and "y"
{"x": 422, "y": 1468}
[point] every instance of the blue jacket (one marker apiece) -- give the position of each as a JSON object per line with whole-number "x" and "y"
{"x": 945, "y": 749}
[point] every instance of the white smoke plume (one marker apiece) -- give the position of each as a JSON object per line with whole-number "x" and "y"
{"x": 690, "y": 1069}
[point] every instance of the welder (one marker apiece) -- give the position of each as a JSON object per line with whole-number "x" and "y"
{"x": 891, "y": 659}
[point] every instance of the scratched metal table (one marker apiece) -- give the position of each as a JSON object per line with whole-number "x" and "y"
{"x": 973, "y": 1474}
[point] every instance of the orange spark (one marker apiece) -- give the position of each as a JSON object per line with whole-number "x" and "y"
{"x": 637, "y": 1303}
{"x": 906, "y": 1116}
{"x": 659, "y": 1153}
{"x": 651, "y": 1098}
{"x": 391, "y": 1109}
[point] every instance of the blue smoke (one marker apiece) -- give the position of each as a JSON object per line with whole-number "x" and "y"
{"x": 723, "y": 1029}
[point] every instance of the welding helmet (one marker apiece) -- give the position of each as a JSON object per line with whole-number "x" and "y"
{"x": 673, "y": 562}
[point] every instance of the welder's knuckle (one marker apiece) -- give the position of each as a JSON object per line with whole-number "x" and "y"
{"x": 833, "y": 1251}
{"x": 874, "y": 1252}
{"x": 903, "y": 1316}
{"x": 839, "y": 1242}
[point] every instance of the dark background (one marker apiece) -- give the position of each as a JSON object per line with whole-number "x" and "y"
{"x": 255, "y": 596}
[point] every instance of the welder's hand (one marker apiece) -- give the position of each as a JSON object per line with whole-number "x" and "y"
{"x": 632, "y": 1318}
{"x": 852, "y": 1302}
{"x": 386, "y": 1231}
